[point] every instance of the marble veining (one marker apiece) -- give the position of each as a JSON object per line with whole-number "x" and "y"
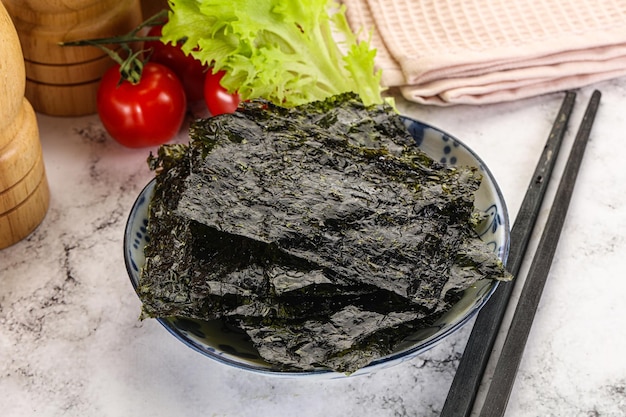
{"x": 71, "y": 343}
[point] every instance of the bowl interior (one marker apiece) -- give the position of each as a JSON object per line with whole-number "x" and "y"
{"x": 231, "y": 346}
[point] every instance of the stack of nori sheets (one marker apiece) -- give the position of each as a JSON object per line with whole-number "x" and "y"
{"x": 322, "y": 231}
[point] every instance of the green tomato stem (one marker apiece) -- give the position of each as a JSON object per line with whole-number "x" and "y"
{"x": 132, "y": 66}
{"x": 124, "y": 39}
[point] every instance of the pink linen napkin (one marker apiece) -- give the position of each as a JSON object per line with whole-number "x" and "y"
{"x": 445, "y": 52}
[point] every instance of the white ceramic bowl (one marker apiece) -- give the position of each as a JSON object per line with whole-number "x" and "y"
{"x": 232, "y": 347}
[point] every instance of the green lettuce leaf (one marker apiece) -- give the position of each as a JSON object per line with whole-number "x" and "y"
{"x": 285, "y": 52}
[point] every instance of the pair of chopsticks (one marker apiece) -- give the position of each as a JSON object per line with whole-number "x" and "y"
{"x": 469, "y": 375}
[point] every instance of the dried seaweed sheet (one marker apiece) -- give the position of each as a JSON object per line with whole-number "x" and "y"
{"x": 322, "y": 231}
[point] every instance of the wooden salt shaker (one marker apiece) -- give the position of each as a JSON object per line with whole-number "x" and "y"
{"x": 24, "y": 195}
{"x": 63, "y": 81}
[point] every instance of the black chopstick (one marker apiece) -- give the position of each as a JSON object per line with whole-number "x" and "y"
{"x": 511, "y": 354}
{"x": 468, "y": 377}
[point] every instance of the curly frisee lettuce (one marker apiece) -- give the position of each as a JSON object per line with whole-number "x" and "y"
{"x": 282, "y": 51}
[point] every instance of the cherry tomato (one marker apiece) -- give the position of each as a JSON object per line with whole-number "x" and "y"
{"x": 217, "y": 98}
{"x": 148, "y": 113}
{"x": 188, "y": 69}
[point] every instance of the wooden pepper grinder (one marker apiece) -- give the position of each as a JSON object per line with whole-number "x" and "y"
{"x": 63, "y": 80}
{"x": 24, "y": 195}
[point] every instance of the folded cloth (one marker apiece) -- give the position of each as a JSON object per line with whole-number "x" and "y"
{"x": 445, "y": 52}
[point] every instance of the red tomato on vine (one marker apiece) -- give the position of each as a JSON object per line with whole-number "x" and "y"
{"x": 143, "y": 103}
{"x": 146, "y": 113}
{"x": 217, "y": 98}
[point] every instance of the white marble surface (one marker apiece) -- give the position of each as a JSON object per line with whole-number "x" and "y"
{"x": 71, "y": 343}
